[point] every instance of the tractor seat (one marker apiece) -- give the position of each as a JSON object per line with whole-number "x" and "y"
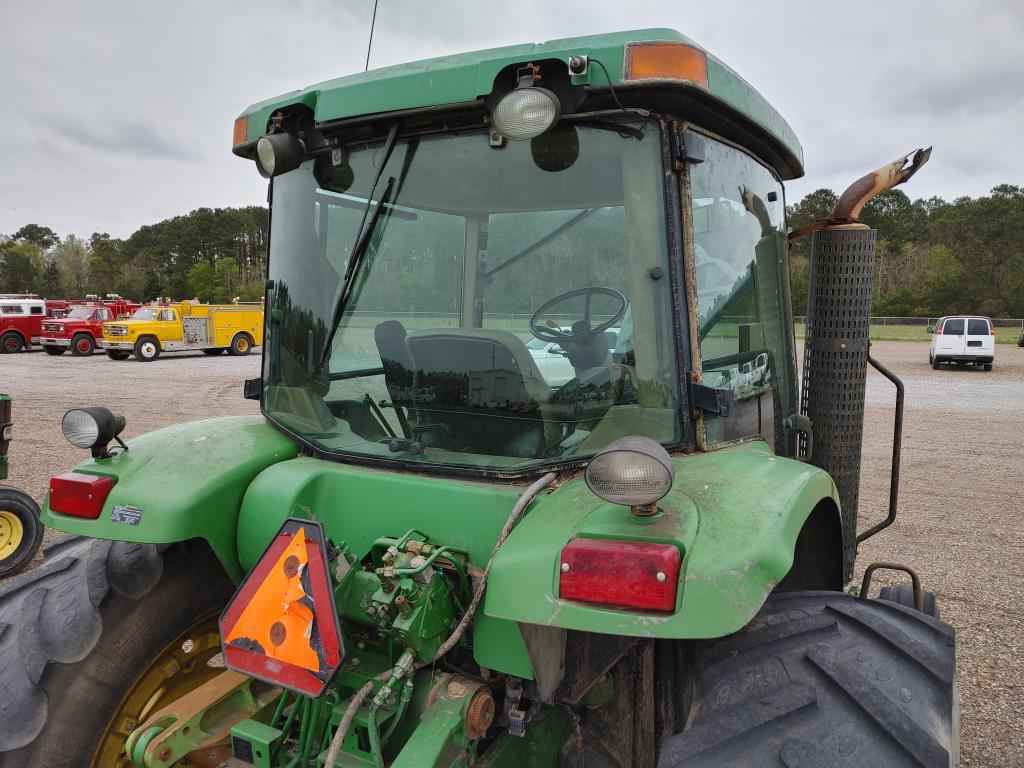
{"x": 483, "y": 392}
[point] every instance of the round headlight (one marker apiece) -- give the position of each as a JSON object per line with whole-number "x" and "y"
{"x": 277, "y": 153}
{"x": 80, "y": 428}
{"x": 525, "y": 112}
{"x": 634, "y": 471}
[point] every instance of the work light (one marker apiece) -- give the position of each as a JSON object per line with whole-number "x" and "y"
{"x": 278, "y": 153}
{"x": 525, "y": 112}
{"x": 633, "y": 471}
{"x": 92, "y": 428}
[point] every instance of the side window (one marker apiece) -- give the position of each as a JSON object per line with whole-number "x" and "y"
{"x": 167, "y": 314}
{"x": 36, "y": 310}
{"x": 103, "y": 314}
{"x": 11, "y": 309}
{"x": 976, "y": 326}
{"x": 740, "y": 258}
{"x": 954, "y": 326}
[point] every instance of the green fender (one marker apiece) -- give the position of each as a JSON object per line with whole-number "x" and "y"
{"x": 735, "y": 513}
{"x": 186, "y": 481}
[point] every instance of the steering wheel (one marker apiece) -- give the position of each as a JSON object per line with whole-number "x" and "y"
{"x": 547, "y": 333}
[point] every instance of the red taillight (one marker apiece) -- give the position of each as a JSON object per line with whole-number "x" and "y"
{"x": 79, "y": 495}
{"x": 992, "y": 329}
{"x": 621, "y": 574}
{"x": 938, "y": 330}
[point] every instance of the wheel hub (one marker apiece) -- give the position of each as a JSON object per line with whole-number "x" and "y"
{"x": 182, "y": 666}
{"x": 11, "y": 533}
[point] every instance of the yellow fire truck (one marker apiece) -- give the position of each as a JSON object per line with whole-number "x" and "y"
{"x": 174, "y": 327}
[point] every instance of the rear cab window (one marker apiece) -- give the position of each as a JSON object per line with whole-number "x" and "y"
{"x": 977, "y": 326}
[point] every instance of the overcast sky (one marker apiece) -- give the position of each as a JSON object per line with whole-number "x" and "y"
{"x": 119, "y": 113}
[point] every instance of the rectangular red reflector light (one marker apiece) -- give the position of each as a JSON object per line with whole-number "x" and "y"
{"x": 621, "y": 574}
{"x": 79, "y": 495}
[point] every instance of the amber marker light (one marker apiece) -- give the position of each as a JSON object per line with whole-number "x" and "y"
{"x": 241, "y": 126}
{"x": 674, "y": 61}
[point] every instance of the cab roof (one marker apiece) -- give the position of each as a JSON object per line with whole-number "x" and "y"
{"x": 468, "y": 77}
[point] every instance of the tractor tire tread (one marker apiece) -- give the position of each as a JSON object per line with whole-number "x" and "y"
{"x": 824, "y": 679}
{"x": 51, "y": 615}
{"x": 904, "y": 595}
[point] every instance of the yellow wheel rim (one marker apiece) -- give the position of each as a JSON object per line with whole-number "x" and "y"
{"x": 179, "y": 668}
{"x": 243, "y": 345}
{"x": 11, "y": 533}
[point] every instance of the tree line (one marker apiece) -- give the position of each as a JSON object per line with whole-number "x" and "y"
{"x": 215, "y": 255}
{"x": 934, "y": 257}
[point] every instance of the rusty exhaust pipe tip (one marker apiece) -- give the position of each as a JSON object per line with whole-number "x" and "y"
{"x": 857, "y": 195}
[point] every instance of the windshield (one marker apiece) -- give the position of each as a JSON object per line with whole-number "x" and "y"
{"x": 483, "y": 327}
{"x": 80, "y": 313}
{"x": 146, "y": 313}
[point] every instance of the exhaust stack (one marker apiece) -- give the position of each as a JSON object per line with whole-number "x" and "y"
{"x": 837, "y": 336}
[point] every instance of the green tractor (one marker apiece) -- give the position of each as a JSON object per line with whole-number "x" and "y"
{"x": 21, "y": 531}
{"x": 437, "y": 547}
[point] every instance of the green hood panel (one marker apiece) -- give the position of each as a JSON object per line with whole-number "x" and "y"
{"x": 735, "y": 513}
{"x": 187, "y": 481}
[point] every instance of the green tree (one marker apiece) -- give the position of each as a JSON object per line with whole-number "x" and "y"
{"x": 43, "y": 237}
{"x": 202, "y": 281}
{"x": 21, "y": 268}
{"x": 226, "y": 271}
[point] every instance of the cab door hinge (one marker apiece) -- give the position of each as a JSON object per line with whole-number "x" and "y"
{"x": 688, "y": 147}
{"x": 711, "y": 400}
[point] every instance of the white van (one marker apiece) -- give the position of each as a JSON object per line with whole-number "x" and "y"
{"x": 963, "y": 339}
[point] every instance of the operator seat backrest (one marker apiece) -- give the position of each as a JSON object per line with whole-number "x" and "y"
{"x": 390, "y": 337}
{"x": 483, "y": 391}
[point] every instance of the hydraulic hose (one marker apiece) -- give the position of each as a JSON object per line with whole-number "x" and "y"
{"x": 521, "y": 504}
{"x": 360, "y": 696}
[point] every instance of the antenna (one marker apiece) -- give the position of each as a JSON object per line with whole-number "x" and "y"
{"x": 369, "y": 47}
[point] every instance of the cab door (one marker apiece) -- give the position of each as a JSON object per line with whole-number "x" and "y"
{"x": 980, "y": 337}
{"x": 170, "y": 329}
{"x": 951, "y": 338}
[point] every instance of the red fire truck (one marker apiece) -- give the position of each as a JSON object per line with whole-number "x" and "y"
{"x": 82, "y": 328}
{"x": 21, "y": 319}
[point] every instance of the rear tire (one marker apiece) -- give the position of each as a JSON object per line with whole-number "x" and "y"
{"x": 53, "y": 349}
{"x": 935, "y": 363}
{"x": 82, "y": 344}
{"x": 904, "y": 595}
{"x": 240, "y": 345}
{"x": 824, "y": 679}
{"x": 79, "y": 632}
{"x": 988, "y": 366}
{"x": 11, "y": 342}
{"x": 147, "y": 349}
{"x": 118, "y": 354}
{"x": 21, "y": 531}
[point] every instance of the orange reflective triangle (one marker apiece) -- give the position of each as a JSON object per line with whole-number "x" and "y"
{"x": 278, "y": 619}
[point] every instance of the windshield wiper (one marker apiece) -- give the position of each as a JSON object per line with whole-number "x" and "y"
{"x": 355, "y": 261}
{"x": 362, "y": 243}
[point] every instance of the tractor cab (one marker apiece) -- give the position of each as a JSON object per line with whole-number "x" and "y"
{"x": 410, "y": 272}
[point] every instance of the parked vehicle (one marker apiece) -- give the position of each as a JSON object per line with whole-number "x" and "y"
{"x": 184, "y": 326}
{"x": 553, "y": 360}
{"x": 21, "y": 531}
{"x": 964, "y": 340}
{"x": 420, "y": 555}
{"x": 81, "y": 329}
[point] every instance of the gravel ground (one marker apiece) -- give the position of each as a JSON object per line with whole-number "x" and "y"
{"x": 959, "y": 522}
